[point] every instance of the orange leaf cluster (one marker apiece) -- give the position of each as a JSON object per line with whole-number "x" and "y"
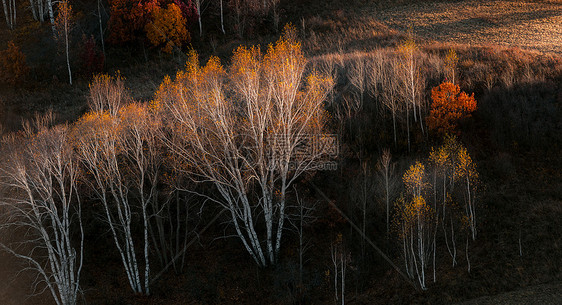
{"x": 414, "y": 211}
{"x": 168, "y": 28}
{"x": 464, "y": 165}
{"x": 449, "y": 105}
{"x": 414, "y": 179}
{"x": 64, "y": 20}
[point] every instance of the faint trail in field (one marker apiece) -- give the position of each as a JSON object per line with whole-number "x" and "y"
{"x": 530, "y": 25}
{"x": 546, "y": 294}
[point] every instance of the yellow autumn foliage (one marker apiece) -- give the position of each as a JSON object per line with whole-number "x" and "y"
{"x": 168, "y": 28}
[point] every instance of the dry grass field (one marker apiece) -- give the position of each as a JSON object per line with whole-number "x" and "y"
{"x": 530, "y": 25}
{"x": 526, "y": 24}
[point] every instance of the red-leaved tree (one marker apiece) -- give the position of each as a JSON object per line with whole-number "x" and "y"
{"x": 132, "y": 21}
{"x": 449, "y": 105}
{"x": 188, "y": 10}
{"x": 129, "y": 18}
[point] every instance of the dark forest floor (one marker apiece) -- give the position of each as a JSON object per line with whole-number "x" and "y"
{"x": 521, "y": 202}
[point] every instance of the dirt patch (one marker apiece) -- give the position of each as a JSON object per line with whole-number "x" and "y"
{"x": 531, "y": 25}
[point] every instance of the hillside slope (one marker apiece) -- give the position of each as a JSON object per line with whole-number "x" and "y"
{"x": 531, "y": 25}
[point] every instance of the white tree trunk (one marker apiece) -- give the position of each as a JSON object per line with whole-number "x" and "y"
{"x": 41, "y": 10}
{"x": 7, "y": 13}
{"x": 198, "y": 7}
{"x": 33, "y": 9}
{"x": 123, "y": 143}
{"x": 45, "y": 173}
{"x": 272, "y": 110}
{"x": 101, "y": 28}
{"x": 51, "y": 15}
{"x": 222, "y": 18}
{"x": 66, "y": 42}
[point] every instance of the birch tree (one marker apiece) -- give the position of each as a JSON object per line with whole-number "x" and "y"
{"x": 171, "y": 208}
{"x": 245, "y": 145}
{"x": 40, "y": 172}
{"x": 415, "y": 220}
{"x": 33, "y": 8}
{"x": 41, "y": 9}
{"x": 118, "y": 144}
{"x": 172, "y": 224}
{"x": 50, "y": 11}
{"x": 96, "y": 140}
{"x": 97, "y": 137}
{"x": 199, "y": 9}
{"x": 341, "y": 260}
{"x": 303, "y": 217}
{"x": 466, "y": 171}
{"x": 107, "y": 93}
{"x": 64, "y": 25}
{"x": 443, "y": 161}
{"x": 222, "y": 16}
{"x": 455, "y": 180}
{"x": 387, "y": 174}
{"x": 390, "y": 93}
{"x": 275, "y": 12}
{"x": 238, "y": 7}
{"x": 357, "y": 75}
{"x": 410, "y": 82}
{"x": 143, "y": 159}
{"x": 101, "y": 27}
{"x": 10, "y": 12}
{"x": 451, "y": 62}
{"x": 244, "y": 12}
{"x": 361, "y": 194}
